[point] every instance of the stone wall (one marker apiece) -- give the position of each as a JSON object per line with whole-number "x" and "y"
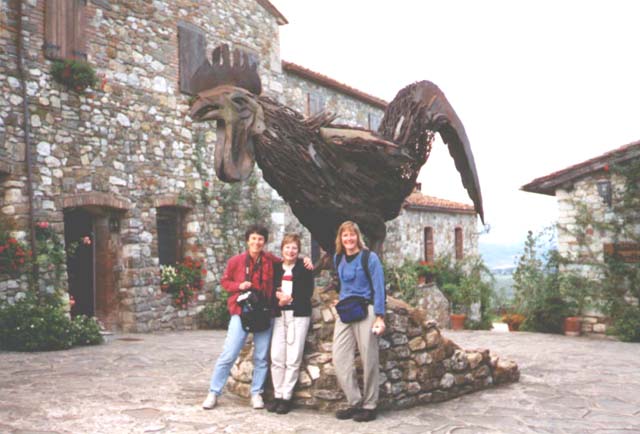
{"x": 351, "y": 111}
{"x": 405, "y": 235}
{"x": 583, "y": 193}
{"x": 129, "y": 141}
{"x": 590, "y": 249}
{"x": 418, "y": 364}
{"x": 132, "y": 140}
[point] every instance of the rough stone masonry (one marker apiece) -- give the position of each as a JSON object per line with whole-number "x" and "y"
{"x": 418, "y": 364}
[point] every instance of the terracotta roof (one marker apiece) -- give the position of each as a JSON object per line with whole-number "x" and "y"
{"x": 417, "y": 200}
{"x": 280, "y": 19}
{"x": 550, "y": 183}
{"x": 323, "y": 80}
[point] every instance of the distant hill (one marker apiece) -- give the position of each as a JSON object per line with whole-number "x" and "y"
{"x": 500, "y": 256}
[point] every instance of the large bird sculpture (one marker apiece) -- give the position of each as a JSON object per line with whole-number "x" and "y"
{"x": 327, "y": 173}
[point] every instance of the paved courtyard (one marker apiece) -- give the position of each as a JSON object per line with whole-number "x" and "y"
{"x": 155, "y": 383}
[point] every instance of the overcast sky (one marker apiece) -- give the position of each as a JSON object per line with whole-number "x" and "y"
{"x": 539, "y": 85}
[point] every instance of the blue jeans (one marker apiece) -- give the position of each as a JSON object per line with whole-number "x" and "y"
{"x": 233, "y": 343}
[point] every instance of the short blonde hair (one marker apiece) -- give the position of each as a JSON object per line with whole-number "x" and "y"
{"x": 348, "y": 226}
{"x": 290, "y": 238}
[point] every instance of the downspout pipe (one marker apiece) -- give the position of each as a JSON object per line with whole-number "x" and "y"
{"x": 27, "y": 138}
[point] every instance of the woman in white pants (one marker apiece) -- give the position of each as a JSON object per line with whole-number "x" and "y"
{"x": 294, "y": 285}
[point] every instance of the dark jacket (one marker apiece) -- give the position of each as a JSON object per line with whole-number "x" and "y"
{"x": 302, "y": 287}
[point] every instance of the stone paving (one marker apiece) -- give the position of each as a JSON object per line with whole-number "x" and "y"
{"x": 156, "y": 383}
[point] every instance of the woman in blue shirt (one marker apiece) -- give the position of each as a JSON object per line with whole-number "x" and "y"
{"x": 362, "y": 334}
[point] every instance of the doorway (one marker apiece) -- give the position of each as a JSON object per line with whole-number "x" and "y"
{"x": 79, "y": 239}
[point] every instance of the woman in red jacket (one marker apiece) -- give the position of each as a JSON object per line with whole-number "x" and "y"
{"x": 253, "y": 270}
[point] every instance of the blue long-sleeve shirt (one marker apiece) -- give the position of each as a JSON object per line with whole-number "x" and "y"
{"x": 353, "y": 280}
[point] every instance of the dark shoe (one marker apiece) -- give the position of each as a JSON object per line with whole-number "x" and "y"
{"x": 365, "y": 415}
{"x": 284, "y": 407}
{"x": 272, "y": 406}
{"x": 347, "y": 413}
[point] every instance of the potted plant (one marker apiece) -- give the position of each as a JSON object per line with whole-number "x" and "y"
{"x": 74, "y": 74}
{"x": 575, "y": 290}
{"x": 461, "y": 297}
{"x": 513, "y": 320}
{"x": 425, "y": 271}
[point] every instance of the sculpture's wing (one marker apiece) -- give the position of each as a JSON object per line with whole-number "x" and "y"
{"x": 423, "y": 107}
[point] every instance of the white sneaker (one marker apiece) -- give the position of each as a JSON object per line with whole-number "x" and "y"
{"x": 210, "y": 402}
{"x": 256, "y": 401}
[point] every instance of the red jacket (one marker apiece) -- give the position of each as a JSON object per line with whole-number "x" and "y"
{"x": 234, "y": 275}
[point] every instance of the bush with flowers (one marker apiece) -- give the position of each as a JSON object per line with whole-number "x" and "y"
{"x": 39, "y": 322}
{"x": 14, "y": 255}
{"x": 50, "y": 254}
{"x": 183, "y": 280}
{"x": 74, "y": 74}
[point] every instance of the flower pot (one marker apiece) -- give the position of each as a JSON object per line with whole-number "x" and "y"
{"x": 514, "y": 326}
{"x": 422, "y": 280}
{"x": 457, "y": 321}
{"x": 572, "y": 326}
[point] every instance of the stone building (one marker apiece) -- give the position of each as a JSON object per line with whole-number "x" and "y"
{"x": 589, "y": 184}
{"x": 118, "y": 170}
{"x": 428, "y": 227}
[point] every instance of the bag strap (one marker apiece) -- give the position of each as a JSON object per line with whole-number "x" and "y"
{"x": 365, "y": 265}
{"x": 256, "y": 266}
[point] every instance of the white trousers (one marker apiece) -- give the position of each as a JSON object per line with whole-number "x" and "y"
{"x": 287, "y": 346}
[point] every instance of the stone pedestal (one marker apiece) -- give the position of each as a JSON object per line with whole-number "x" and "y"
{"x": 418, "y": 364}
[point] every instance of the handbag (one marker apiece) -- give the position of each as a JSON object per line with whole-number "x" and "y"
{"x": 256, "y": 314}
{"x": 352, "y": 309}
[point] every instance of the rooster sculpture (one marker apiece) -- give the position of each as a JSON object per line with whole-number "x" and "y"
{"x": 327, "y": 173}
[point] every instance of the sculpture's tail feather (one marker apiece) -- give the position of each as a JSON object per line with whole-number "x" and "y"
{"x": 411, "y": 119}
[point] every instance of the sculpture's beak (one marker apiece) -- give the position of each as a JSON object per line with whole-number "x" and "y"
{"x": 239, "y": 117}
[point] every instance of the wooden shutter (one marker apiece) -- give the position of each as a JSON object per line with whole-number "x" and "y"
{"x": 315, "y": 103}
{"x": 459, "y": 244}
{"x": 374, "y": 121}
{"x": 64, "y": 29}
{"x": 428, "y": 244}
{"x": 192, "y": 53}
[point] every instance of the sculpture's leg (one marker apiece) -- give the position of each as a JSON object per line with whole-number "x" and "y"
{"x": 377, "y": 234}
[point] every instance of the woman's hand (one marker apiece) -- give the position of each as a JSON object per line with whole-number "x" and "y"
{"x": 308, "y": 264}
{"x": 378, "y": 326}
{"x": 244, "y": 285}
{"x": 283, "y": 299}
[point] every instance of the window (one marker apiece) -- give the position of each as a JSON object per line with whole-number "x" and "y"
{"x": 64, "y": 29}
{"x": 374, "y": 121}
{"x": 169, "y": 224}
{"x": 428, "y": 244}
{"x": 459, "y": 245}
{"x": 315, "y": 103}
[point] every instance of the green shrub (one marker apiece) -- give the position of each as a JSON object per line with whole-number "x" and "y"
{"x": 31, "y": 325}
{"x": 215, "y": 315}
{"x": 85, "y": 331}
{"x": 547, "y": 316}
{"x": 41, "y": 324}
{"x": 402, "y": 281}
{"x": 627, "y": 324}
